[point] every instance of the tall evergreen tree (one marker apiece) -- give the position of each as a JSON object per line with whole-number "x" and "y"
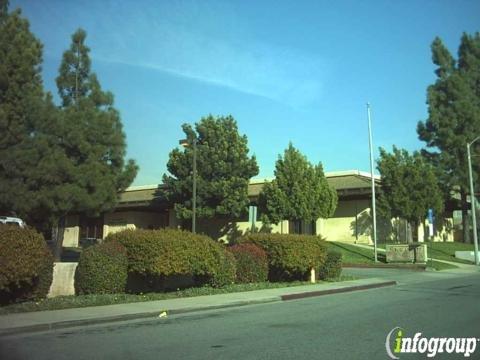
{"x": 454, "y": 117}
{"x": 224, "y": 169}
{"x": 93, "y": 139}
{"x": 74, "y": 79}
{"x": 299, "y": 191}
{"x": 90, "y": 168}
{"x": 22, "y": 103}
{"x": 54, "y": 162}
{"x": 3, "y": 9}
{"x": 409, "y": 187}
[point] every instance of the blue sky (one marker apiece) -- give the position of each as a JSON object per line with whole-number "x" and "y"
{"x": 298, "y": 71}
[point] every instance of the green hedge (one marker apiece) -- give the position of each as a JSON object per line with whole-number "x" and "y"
{"x": 227, "y": 270}
{"x": 290, "y": 257}
{"x": 252, "y": 263}
{"x": 157, "y": 256}
{"x": 102, "y": 269}
{"x": 26, "y": 265}
{"x": 332, "y": 268}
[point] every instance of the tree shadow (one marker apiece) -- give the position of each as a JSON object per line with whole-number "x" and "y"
{"x": 444, "y": 227}
{"x": 351, "y": 250}
{"x": 264, "y": 229}
{"x": 222, "y": 229}
{"x": 362, "y": 226}
{"x": 70, "y": 254}
{"x": 147, "y": 283}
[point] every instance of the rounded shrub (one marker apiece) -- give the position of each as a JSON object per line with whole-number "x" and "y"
{"x": 332, "y": 268}
{"x": 252, "y": 263}
{"x": 26, "y": 265}
{"x": 102, "y": 269}
{"x": 290, "y": 257}
{"x": 157, "y": 256}
{"x": 226, "y": 273}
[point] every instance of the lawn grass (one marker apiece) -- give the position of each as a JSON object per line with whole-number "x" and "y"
{"x": 438, "y": 265}
{"x": 444, "y": 250}
{"x": 354, "y": 255}
{"x": 69, "y": 302}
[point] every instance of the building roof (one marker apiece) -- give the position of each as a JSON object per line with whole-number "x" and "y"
{"x": 352, "y": 179}
{"x": 145, "y": 195}
{"x": 343, "y": 181}
{"x": 347, "y": 183}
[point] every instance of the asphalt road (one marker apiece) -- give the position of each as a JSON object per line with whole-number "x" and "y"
{"x": 343, "y": 326}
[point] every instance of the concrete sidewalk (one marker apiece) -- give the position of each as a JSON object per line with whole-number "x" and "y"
{"x": 57, "y": 319}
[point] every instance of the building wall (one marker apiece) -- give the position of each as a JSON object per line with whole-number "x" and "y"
{"x": 173, "y": 222}
{"x": 350, "y": 223}
{"x": 341, "y": 227}
{"x": 118, "y": 221}
{"x": 227, "y": 231}
{"x": 72, "y": 231}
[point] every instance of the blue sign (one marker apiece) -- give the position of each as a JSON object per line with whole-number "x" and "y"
{"x": 430, "y": 216}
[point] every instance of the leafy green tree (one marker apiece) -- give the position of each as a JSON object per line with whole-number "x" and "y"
{"x": 299, "y": 191}
{"x": 454, "y": 117}
{"x": 409, "y": 186}
{"x": 224, "y": 169}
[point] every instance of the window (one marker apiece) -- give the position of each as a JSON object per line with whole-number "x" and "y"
{"x": 91, "y": 227}
{"x": 302, "y": 227}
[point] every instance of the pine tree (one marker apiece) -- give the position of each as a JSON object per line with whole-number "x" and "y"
{"x": 299, "y": 191}
{"x": 3, "y": 9}
{"x": 21, "y": 102}
{"x": 74, "y": 79}
{"x": 93, "y": 139}
{"x": 224, "y": 170}
{"x": 454, "y": 117}
{"x": 54, "y": 162}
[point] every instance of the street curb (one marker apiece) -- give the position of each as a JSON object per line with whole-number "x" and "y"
{"x": 336, "y": 291}
{"x": 155, "y": 314}
{"x": 137, "y": 316}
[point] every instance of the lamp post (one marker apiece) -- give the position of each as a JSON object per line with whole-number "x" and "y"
{"x": 185, "y": 143}
{"x": 472, "y": 200}
{"x": 374, "y": 213}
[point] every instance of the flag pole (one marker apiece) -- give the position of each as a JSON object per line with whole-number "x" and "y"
{"x": 374, "y": 213}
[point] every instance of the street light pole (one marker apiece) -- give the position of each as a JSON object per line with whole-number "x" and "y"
{"x": 472, "y": 201}
{"x": 374, "y": 213}
{"x": 194, "y": 201}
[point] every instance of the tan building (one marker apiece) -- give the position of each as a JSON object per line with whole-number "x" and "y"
{"x": 141, "y": 207}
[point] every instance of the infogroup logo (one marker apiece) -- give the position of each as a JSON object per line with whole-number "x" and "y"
{"x": 431, "y": 346}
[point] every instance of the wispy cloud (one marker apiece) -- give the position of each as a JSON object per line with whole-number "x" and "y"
{"x": 204, "y": 41}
